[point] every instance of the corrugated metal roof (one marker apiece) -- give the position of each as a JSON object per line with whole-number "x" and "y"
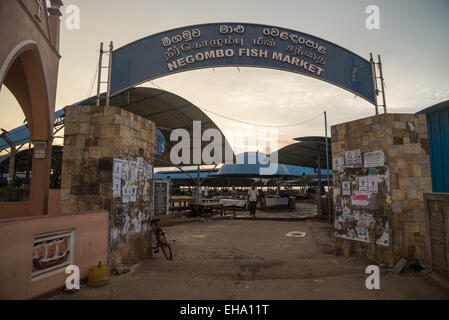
{"x": 21, "y": 134}
{"x": 167, "y": 110}
{"x": 250, "y": 163}
{"x": 437, "y": 107}
{"x": 305, "y": 153}
{"x": 178, "y": 174}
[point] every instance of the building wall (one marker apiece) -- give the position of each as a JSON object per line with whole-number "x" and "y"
{"x": 16, "y": 250}
{"x": 95, "y": 138}
{"x": 54, "y": 202}
{"x": 397, "y": 210}
{"x": 29, "y": 62}
{"x": 18, "y": 23}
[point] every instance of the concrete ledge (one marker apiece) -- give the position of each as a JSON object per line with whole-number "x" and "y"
{"x": 435, "y": 280}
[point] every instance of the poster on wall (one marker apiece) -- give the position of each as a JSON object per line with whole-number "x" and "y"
{"x": 374, "y": 159}
{"x": 363, "y": 184}
{"x": 365, "y": 191}
{"x": 148, "y": 175}
{"x": 354, "y": 225}
{"x": 373, "y": 184}
{"x": 338, "y": 163}
{"x": 132, "y": 178}
{"x": 133, "y": 194}
{"x": 116, "y": 188}
{"x": 382, "y": 234}
{"x": 117, "y": 178}
{"x": 346, "y": 187}
{"x": 360, "y": 199}
{"x": 117, "y": 173}
{"x": 353, "y": 158}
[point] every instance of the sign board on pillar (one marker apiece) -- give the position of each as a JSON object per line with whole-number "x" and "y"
{"x": 161, "y": 198}
{"x": 40, "y": 149}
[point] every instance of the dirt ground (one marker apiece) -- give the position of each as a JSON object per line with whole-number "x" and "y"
{"x": 244, "y": 259}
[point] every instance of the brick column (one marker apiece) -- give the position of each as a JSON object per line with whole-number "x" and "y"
{"x": 94, "y": 137}
{"x": 397, "y": 209}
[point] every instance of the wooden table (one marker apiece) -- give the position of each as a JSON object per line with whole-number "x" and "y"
{"x": 233, "y": 205}
{"x": 206, "y": 209}
{"x": 180, "y": 203}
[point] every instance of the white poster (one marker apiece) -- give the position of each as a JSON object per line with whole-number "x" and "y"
{"x": 338, "y": 163}
{"x": 353, "y": 158}
{"x": 117, "y": 168}
{"x": 363, "y": 184}
{"x": 133, "y": 194}
{"x": 116, "y": 187}
{"x": 125, "y": 194}
{"x": 374, "y": 159}
{"x": 125, "y": 165}
{"x": 149, "y": 171}
{"x": 346, "y": 187}
{"x": 373, "y": 184}
{"x": 140, "y": 161}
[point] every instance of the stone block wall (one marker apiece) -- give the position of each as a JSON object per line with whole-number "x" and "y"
{"x": 398, "y": 207}
{"x": 93, "y": 138}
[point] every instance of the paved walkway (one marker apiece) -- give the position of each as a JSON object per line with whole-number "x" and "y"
{"x": 243, "y": 259}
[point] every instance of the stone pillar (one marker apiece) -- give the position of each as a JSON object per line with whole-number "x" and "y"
{"x": 396, "y": 211}
{"x": 96, "y": 138}
{"x": 41, "y": 176}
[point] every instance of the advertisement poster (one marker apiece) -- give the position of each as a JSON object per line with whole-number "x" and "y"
{"x": 346, "y": 187}
{"x": 353, "y": 158}
{"x": 363, "y": 184}
{"x": 374, "y": 159}
{"x": 338, "y": 163}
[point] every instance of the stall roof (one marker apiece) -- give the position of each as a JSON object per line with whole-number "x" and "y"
{"x": 305, "y": 152}
{"x": 167, "y": 110}
{"x": 178, "y": 174}
{"x": 21, "y": 135}
{"x": 437, "y": 107}
{"x": 249, "y": 164}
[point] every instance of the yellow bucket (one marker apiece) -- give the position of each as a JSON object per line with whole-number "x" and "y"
{"x": 98, "y": 276}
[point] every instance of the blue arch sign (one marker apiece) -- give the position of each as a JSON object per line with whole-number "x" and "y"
{"x": 239, "y": 44}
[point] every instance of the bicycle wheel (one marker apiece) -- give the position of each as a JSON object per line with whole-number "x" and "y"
{"x": 165, "y": 245}
{"x": 154, "y": 242}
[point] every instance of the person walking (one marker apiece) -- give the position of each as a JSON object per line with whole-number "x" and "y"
{"x": 252, "y": 198}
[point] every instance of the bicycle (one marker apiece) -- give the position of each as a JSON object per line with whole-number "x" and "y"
{"x": 160, "y": 239}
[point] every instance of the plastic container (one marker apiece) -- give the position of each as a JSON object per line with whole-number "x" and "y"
{"x": 98, "y": 276}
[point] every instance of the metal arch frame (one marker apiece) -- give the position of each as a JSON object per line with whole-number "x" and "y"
{"x": 197, "y": 181}
{"x": 111, "y": 51}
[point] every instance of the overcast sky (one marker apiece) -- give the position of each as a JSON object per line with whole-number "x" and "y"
{"x": 412, "y": 40}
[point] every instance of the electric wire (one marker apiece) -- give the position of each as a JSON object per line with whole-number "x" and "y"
{"x": 92, "y": 82}
{"x": 251, "y": 123}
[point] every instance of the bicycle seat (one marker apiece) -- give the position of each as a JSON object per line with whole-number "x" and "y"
{"x": 153, "y": 220}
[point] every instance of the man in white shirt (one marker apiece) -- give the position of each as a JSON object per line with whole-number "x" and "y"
{"x": 252, "y": 198}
